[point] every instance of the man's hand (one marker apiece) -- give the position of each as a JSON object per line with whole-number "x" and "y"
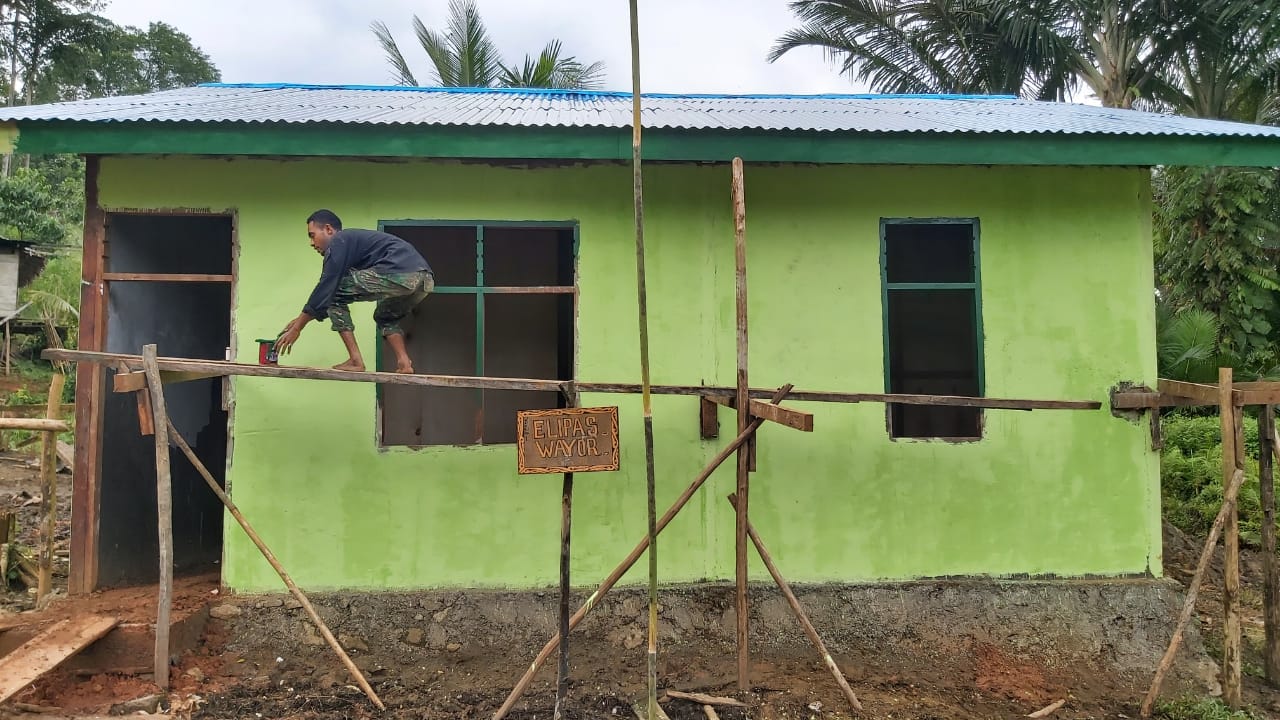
{"x": 290, "y": 334}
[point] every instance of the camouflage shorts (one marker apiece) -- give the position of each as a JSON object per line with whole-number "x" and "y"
{"x": 397, "y": 294}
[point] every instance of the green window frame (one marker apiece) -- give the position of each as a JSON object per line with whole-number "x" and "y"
{"x": 480, "y": 289}
{"x": 974, "y": 285}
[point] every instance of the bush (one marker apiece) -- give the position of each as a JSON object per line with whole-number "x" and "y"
{"x": 1191, "y": 475}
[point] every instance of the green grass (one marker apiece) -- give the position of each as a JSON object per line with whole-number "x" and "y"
{"x": 1201, "y": 708}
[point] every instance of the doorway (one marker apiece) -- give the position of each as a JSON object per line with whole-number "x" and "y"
{"x": 169, "y": 281}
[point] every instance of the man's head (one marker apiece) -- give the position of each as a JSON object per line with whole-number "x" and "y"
{"x": 322, "y": 225}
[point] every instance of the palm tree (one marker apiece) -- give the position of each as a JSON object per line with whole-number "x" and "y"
{"x": 465, "y": 56}
{"x": 1038, "y": 48}
{"x": 917, "y": 46}
{"x": 549, "y": 70}
{"x": 1229, "y": 71}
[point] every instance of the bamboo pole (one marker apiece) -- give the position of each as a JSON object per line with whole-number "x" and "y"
{"x": 1193, "y": 589}
{"x": 525, "y": 680}
{"x": 801, "y": 615}
{"x": 637, "y": 190}
{"x": 48, "y": 489}
{"x": 1232, "y": 445}
{"x": 1271, "y": 583}
{"x": 744, "y": 417}
{"x": 164, "y": 516}
{"x": 294, "y": 590}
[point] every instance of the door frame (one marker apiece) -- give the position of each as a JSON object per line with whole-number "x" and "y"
{"x": 91, "y": 377}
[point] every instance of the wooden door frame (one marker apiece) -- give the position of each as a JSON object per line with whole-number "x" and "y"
{"x": 91, "y": 377}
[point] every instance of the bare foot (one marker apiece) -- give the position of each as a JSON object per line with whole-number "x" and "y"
{"x": 405, "y": 368}
{"x": 350, "y": 365}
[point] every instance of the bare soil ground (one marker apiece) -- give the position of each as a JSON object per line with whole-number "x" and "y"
{"x": 965, "y": 679}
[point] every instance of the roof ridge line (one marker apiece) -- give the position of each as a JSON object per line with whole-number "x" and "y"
{"x": 607, "y": 93}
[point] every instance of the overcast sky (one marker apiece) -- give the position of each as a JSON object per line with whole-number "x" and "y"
{"x": 686, "y": 45}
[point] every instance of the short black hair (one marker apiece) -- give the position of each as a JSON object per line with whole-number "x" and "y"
{"x": 325, "y": 217}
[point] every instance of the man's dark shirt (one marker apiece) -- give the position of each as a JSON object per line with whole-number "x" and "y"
{"x": 355, "y": 249}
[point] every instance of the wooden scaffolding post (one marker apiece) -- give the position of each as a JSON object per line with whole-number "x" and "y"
{"x": 164, "y": 515}
{"x": 1231, "y": 667}
{"x": 48, "y": 490}
{"x": 744, "y": 417}
{"x": 1193, "y": 589}
{"x": 294, "y": 590}
{"x": 809, "y": 630}
{"x": 1271, "y": 584}
{"x": 566, "y": 525}
{"x": 547, "y": 650}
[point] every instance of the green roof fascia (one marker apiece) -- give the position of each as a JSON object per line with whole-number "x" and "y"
{"x": 555, "y": 143}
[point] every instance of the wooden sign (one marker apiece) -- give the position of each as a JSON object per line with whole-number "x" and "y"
{"x": 567, "y": 440}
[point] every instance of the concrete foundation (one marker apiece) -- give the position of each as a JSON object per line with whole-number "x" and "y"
{"x": 1120, "y": 628}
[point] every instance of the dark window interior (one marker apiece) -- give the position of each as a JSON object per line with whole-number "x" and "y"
{"x": 465, "y": 329}
{"x": 183, "y": 319}
{"x": 932, "y": 327}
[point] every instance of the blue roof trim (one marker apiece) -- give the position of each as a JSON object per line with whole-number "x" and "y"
{"x": 612, "y": 93}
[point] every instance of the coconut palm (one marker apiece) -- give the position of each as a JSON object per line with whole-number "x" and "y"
{"x": 1037, "y": 48}
{"x": 917, "y": 46}
{"x": 1229, "y": 71}
{"x": 464, "y": 55}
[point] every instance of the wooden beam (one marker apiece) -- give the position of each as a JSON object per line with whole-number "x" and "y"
{"x": 86, "y": 477}
{"x": 1260, "y": 396}
{"x": 37, "y": 424}
{"x": 167, "y": 277}
{"x": 1202, "y": 393}
{"x": 222, "y": 368}
{"x": 49, "y": 492}
{"x": 797, "y": 419}
{"x": 164, "y": 517}
{"x": 738, "y": 192}
{"x": 1232, "y": 448}
{"x": 135, "y": 381}
{"x": 708, "y": 419}
{"x": 1147, "y": 399}
{"x": 1270, "y": 581}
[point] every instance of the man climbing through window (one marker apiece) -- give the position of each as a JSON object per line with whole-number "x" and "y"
{"x": 361, "y": 265}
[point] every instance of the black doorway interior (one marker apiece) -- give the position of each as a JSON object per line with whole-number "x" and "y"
{"x": 184, "y": 319}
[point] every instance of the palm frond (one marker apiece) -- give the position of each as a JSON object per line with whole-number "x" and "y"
{"x": 400, "y": 68}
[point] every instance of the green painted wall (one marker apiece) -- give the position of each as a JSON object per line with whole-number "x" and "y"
{"x": 1067, "y": 305}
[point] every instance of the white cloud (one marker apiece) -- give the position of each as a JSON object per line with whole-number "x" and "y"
{"x": 693, "y": 46}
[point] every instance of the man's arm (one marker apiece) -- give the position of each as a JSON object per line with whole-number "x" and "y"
{"x": 336, "y": 262}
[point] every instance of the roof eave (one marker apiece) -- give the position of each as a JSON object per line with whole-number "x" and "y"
{"x": 663, "y": 144}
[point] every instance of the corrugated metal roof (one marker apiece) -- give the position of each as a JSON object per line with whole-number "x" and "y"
{"x": 372, "y": 105}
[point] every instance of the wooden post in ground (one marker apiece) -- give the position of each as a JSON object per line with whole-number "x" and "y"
{"x": 294, "y": 590}
{"x": 48, "y": 489}
{"x": 566, "y": 525}
{"x": 1193, "y": 589}
{"x": 744, "y": 418}
{"x": 527, "y": 679}
{"x": 1271, "y": 583}
{"x": 1231, "y": 667}
{"x": 801, "y": 615}
{"x": 164, "y": 515}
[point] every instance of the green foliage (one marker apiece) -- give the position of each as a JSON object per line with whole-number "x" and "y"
{"x": 1201, "y": 708}
{"x": 55, "y": 294}
{"x": 1191, "y": 475}
{"x": 31, "y": 209}
{"x": 1187, "y": 344}
{"x": 1213, "y": 250}
{"x": 128, "y": 61}
{"x": 464, "y": 55}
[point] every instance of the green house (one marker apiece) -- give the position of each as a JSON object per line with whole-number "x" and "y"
{"x": 943, "y": 245}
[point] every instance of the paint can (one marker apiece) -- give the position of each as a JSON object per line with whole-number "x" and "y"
{"x": 267, "y": 354}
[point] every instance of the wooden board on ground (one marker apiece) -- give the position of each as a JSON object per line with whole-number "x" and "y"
{"x": 49, "y": 649}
